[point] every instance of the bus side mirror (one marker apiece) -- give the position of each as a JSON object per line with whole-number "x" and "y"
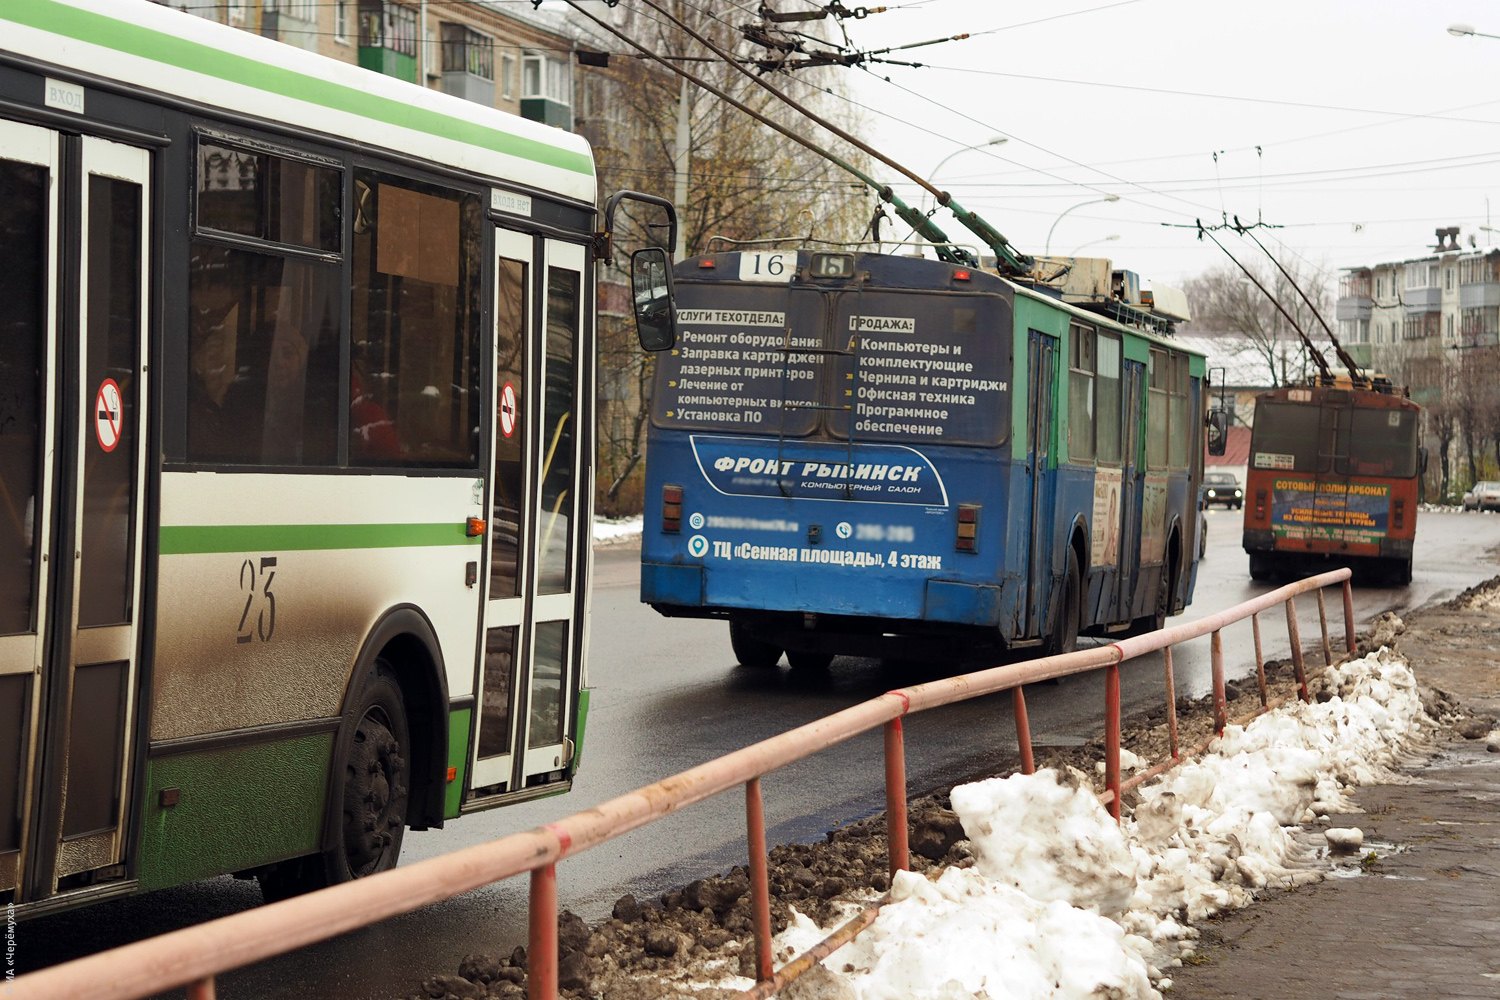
{"x": 651, "y": 287}
{"x": 1218, "y": 431}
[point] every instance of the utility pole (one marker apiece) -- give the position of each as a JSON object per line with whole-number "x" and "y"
{"x": 681, "y": 160}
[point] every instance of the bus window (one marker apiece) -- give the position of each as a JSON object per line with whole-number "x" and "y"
{"x": 1182, "y": 425}
{"x": 1107, "y": 400}
{"x": 1157, "y": 406}
{"x": 512, "y": 317}
{"x": 414, "y": 356}
{"x": 1081, "y": 412}
{"x": 263, "y": 354}
{"x": 1286, "y": 437}
{"x": 1382, "y": 442}
{"x": 560, "y": 426}
{"x": 23, "y": 335}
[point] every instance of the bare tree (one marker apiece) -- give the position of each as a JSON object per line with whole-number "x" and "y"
{"x": 1225, "y": 301}
{"x": 745, "y": 182}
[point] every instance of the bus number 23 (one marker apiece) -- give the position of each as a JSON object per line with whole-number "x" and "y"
{"x": 259, "y": 601}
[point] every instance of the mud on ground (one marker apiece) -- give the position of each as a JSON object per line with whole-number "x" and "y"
{"x": 653, "y": 949}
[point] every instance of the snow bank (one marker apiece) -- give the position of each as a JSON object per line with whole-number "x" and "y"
{"x": 1062, "y": 902}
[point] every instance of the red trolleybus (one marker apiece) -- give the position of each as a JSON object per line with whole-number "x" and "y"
{"x": 1333, "y": 475}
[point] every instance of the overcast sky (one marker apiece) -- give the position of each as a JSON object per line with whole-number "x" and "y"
{"x": 1357, "y": 125}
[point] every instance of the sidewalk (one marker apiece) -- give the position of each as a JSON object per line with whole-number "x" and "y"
{"x": 1424, "y": 921}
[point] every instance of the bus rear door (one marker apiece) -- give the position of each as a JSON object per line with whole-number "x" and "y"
{"x": 74, "y": 289}
{"x": 529, "y": 680}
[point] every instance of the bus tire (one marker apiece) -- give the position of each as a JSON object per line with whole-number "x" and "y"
{"x": 1262, "y": 566}
{"x": 1064, "y": 635}
{"x": 809, "y": 661}
{"x": 750, "y": 650}
{"x": 374, "y": 789}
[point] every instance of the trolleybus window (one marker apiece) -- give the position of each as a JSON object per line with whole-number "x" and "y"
{"x": 1286, "y": 437}
{"x": 1156, "y": 411}
{"x": 23, "y": 285}
{"x": 512, "y": 319}
{"x": 1081, "y": 411}
{"x": 1107, "y": 395}
{"x": 414, "y": 376}
{"x": 1182, "y": 432}
{"x": 263, "y": 349}
{"x": 1382, "y": 442}
{"x": 560, "y": 425}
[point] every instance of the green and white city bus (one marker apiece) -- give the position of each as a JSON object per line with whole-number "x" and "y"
{"x": 296, "y": 420}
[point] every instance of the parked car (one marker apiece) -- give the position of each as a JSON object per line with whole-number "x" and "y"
{"x": 1484, "y": 495}
{"x": 1223, "y": 488}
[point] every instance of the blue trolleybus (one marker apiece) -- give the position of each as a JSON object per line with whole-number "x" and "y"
{"x": 873, "y": 454}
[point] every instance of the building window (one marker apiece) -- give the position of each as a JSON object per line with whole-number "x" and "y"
{"x": 341, "y": 21}
{"x": 467, "y": 51}
{"x": 388, "y": 26}
{"x": 545, "y": 78}
{"x": 508, "y": 77}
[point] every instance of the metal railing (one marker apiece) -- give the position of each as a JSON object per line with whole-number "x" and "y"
{"x": 193, "y": 956}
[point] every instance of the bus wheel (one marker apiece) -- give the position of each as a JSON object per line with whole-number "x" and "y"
{"x": 1261, "y": 566}
{"x": 1064, "y": 636}
{"x": 377, "y": 779}
{"x": 808, "y": 660}
{"x": 750, "y": 650}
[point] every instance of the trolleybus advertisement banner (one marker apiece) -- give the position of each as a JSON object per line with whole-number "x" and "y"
{"x": 1302, "y": 509}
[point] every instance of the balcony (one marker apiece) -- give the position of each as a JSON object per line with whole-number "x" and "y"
{"x": 1354, "y": 307}
{"x": 1479, "y": 296}
{"x": 1422, "y": 300}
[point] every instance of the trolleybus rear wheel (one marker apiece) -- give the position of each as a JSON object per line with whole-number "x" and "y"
{"x": 1261, "y": 566}
{"x": 751, "y": 650}
{"x": 1064, "y": 635}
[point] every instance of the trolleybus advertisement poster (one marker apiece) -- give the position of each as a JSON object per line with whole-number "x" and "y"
{"x": 1302, "y": 509}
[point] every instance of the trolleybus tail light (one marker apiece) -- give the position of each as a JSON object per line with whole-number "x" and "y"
{"x": 961, "y": 275}
{"x": 1400, "y": 513}
{"x": 671, "y": 509}
{"x": 706, "y": 264}
{"x": 968, "y": 528}
{"x": 1260, "y": 504}
{"x": 474, "y": 527}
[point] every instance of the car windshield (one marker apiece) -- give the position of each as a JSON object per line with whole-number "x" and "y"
{"x": 1220, "y": 479}
{"x": 1487, "y": 486}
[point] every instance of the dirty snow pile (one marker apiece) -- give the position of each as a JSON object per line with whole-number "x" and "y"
{"x": 1062, "y": 902}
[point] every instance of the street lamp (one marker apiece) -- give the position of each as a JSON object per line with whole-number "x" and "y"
{"x": 1092, "y": 201}
{"x": 994, "y": 140}
{"x": 1462, "y": 30}
{"x": 1103, "y": 239}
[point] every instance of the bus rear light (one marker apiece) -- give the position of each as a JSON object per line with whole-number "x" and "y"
{"x": 706, "y": 264}
{"x": 968, "y": 528}
{"x": 474, "y": 527}
{"x": 961, "y": 275}
{"x": 1260, "y": 505}
{"x": 671, "y": 509}
{"x": 1400, "y": 513}
{"x": 452, "y": 775}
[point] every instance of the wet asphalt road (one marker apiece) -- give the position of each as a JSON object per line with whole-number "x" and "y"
{"x": 667, "y": 696}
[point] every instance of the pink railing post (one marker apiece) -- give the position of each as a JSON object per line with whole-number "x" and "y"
{"x": 1112, "y": 736}
{"x": 895, "y": 797}
{"x": 203, "y": 989}
{"x": 1323, "y": 624}
{"x": 1294, "y": 635}
{"x": 1171, "y": 701}
{"x": 760, "y": 879}
{"x": 1349, "y": 616}
{"x": 1023, "y": 730}
{"x": 1260, "y": 661}
{"x": 1221, "y": 703}
{"x": 541, "y": 950}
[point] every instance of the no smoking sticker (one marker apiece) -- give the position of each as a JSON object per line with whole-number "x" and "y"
{"x": 108, "y": 415}
{"x": 508, "y": 412}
